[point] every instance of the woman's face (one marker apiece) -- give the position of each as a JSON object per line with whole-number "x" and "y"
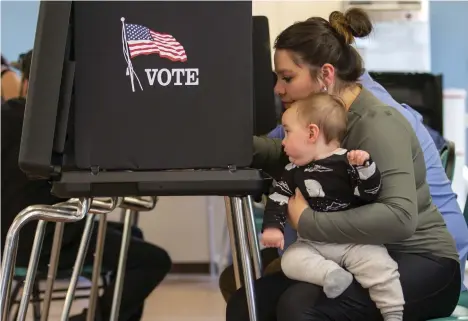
{"x": 294, "y": 81}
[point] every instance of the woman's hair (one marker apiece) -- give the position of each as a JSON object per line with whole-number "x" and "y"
{"x": 25, "y": 64}
{"x": 4, "y": 61}
{"x": 317, "y": 41}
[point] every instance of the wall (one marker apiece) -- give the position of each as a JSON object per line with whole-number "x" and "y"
{"x": 181, "y": 226}
{"x": 282, "y": 14}
{"x": 19, "y": 19}
{"x": 397, "y": 46}
{"x": 449, "y": 44}
{"x": 398, "y": 43}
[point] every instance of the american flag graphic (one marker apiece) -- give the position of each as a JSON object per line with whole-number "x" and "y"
{"x": 144, "y": 41}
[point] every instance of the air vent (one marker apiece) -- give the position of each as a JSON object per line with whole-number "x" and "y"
{"x": 386, "y": 5}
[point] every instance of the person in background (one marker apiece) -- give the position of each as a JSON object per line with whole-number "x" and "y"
{"x": 10, "y": 83}
{"x": 147, "y": 264}
{"x": 439, "y": 141}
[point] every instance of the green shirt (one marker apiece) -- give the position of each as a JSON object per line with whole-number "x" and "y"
{"x": 403, "y": 218}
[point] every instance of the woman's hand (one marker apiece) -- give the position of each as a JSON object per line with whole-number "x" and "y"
{"x": 296, "y": 206}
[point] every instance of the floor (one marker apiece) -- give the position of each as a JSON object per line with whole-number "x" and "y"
{"x": 184, "y": 299}
{"x": 178, "y": 298}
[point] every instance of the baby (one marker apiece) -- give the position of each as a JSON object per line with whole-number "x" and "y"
{"x": 331, "y": 179}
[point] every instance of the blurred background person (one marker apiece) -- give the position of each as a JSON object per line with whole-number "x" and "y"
{"x": 10, "y": 84}
{"x": 147, "y": 264}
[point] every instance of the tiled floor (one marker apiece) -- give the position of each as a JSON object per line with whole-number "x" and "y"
{"x": 178, "y": 298}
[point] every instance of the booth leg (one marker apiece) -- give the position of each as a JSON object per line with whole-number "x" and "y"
{"x": 119, "y": 281}
{"x": 32, "y": 269}
{"x": 9, "y": 257}
{"x": 37, "y": 212}
{"x": 77, "y": 268}
{"x": 97, "y": 267}
{"x": 52, "y": 272}
{"x": 232, "y": 237}
{"x": 240, "y": 216}
{"x": 252, "y": 236}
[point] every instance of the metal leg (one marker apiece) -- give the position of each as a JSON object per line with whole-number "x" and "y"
{"x": 225, "y": 257}
{"x": 214, "y": 253}
{"x": 9, "y": 259}
{"x": 136, "y": 218}
{"x": 122, "y": 215}
{"x": 78, "y": 266}
{"x": 15, "y": 316}
{"x": 18, "y": 286}
{"x": 232, "y": 237}
{"x": 99, "y": 206}
{"x": 39, "y": 212}
{"x": 52, "y": 272}
{"x": 32, "y": 269}
{"x": 252, "y": 236}
{"x": 97, "y": 267}
{"x": 239, "y": 215}
{"x": 36, "y": 295}
{"x": 121, "y": 268}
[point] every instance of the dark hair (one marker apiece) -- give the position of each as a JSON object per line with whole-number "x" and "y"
{"x": 25, "y": 64}
{"x": 4, "y": 61}
{"x": 328, "y": 112}
{"x": 317, "y": 41}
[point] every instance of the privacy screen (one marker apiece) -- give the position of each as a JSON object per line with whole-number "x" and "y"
{"x": 162, "y": 85}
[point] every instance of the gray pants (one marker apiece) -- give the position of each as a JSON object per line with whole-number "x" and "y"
{"x": 371, "y": 266}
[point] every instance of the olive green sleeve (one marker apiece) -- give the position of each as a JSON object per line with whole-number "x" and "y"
{"x": 269, "y": 156}
{"x": 393, "y": 217}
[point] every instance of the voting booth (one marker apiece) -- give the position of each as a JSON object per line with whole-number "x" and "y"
{"x": 151, "y": 99}
{"x": 124, "y": 92}
{"x": 421, "y": 91}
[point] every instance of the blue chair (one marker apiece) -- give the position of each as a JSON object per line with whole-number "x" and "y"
{"x": 462, "y": 307}
{"x": 447, "y": 155}
{"x": 462, "y": 314}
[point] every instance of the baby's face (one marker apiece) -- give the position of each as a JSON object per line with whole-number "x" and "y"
{"x": 296, "y": 141}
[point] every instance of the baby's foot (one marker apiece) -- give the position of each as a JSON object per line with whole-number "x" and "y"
{"x": 336, "y": 283}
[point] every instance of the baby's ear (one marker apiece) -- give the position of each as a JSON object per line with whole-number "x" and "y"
{"x": 314, "y": 132}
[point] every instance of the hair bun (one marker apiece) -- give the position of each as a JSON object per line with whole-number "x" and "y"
{"x": 353, "y": 23}
{"x": 338, "y": 22}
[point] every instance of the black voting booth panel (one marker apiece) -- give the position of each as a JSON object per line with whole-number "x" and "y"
{"x": 421, "y": 91}
{"x": 264, "y": 79}
{"x": 142, "y": 98}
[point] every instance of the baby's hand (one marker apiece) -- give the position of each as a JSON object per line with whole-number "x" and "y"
{"x": 358, "y": 157}
{"x": 273, "y": 237}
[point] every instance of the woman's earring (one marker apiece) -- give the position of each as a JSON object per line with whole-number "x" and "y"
{"x": 324, "y": 89}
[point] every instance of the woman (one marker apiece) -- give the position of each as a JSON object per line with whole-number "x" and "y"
{"x": 10, "y": 84}
{"x": 313, "y": 56}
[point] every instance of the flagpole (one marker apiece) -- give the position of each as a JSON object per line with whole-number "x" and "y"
{"x": 129, "y": 70}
